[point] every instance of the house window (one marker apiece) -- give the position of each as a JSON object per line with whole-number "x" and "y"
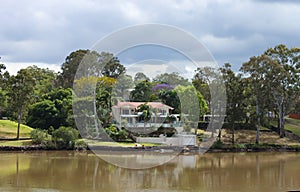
{"x": 125, "y": 111}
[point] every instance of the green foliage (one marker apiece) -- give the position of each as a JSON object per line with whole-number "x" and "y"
{"x": 115, "y": 134}
{"x": 171, "y": 79}
{"x": 274, "y": 79}
{"x": 21, "y": 94}
{"x": 217, "y": 145}
{"x": 168, "y": 131}
{"x": 297, "y": 106}
{"x": 170, "y": 98}
{"x": 45, "y": 81}
{"x": 89, "y": 63}
{"x": 170, "y": 119}
{"x": 141, "y": 92}
{"x": 139, "y": 77}
{"x": 55, "y": 110}
{"x": 146, "y": 112}
{"x": 80, "y": 144}
{"x": 39, "y": 136}
{"x": 43, "y": 115}
{"x": 65, "y": 137}
{"x": 111, "y": 66}
{"x": 122, "y": 86}
{"x": 69, "y": 68}
{"x": 104, "y": 99}
{"x": 192, "y": 102}
{"x": 239, "y": 146}
{"x": 3, "y": 103}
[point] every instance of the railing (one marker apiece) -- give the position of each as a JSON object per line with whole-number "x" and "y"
{"x": 148, "y": 125}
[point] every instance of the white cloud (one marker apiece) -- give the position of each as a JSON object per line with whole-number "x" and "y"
{"x": 152, "y": 68}
{"x": 13, "y": 68}
{"x": 132, "y": 12}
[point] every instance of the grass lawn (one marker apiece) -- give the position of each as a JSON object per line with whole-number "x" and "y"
{"x": 293, "y": 128}
{"x": 116, "y": 144}
{"x": 16, "y": 143}
{"x": 8, "y": 130}
{"x": 292, "y": 125}
{"x": 248, "y": 136}
{"x": 293, "y": 121}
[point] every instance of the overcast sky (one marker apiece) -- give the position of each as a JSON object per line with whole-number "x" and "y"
{"x": 45, "y": 32}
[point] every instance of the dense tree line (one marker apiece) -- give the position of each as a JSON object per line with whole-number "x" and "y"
{"x": 265, "y": 88}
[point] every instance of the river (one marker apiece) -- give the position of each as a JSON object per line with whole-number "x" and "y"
{"x": 68, "y": 171}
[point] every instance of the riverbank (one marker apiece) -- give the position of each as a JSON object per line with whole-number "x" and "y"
{"x": 244, "y": 142}
{"x": 178, "y": 149}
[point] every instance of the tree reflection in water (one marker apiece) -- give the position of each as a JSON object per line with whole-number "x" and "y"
{"x": 74, "y": 171}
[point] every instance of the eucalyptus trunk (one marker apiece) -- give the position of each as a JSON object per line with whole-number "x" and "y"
{"x": 232, "y": 133}
{"x": 95, "y": 115}
{"x": 258, "y": 122}
{"x": 19, "y": 123}
{"x": 281, "y": 121}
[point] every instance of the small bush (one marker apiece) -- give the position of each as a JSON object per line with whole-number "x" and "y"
{"x": 239, "y": 146}
{"x": 115, "y": 134}
{"x": 80, "y": 145}
{"x": 39, "y": 136}
{"x": 65, "y": 137}
{"x": 217, "y": 145}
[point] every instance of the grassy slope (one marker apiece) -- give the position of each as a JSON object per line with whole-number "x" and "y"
{"x": 292, "y": 125}
{"x": 248, "y": 136}
{"x": 8, "y": 129}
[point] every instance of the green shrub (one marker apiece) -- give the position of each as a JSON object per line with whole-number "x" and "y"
{"x": 80, "y": 144}
{"x": 65, "y": 137}
{"x": 239, "y": 146}
{"x": 217, "y": 145}
{"x": 39, "y": 136}
{"x": 115, "y": 134}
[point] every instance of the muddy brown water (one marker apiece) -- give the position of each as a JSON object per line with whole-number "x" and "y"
{"x": 68, "y": 171}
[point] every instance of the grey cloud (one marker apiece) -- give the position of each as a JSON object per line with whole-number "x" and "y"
{"x": 47, "y": 31}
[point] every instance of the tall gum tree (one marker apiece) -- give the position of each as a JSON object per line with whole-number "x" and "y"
{"x": 275, "y": 79}
{"x": 235, "y": 97}
{"x": 21, "y": 92}
{"x": 286, "y": 80}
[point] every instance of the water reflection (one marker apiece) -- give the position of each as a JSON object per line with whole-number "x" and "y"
{"x": 72, "y": 171}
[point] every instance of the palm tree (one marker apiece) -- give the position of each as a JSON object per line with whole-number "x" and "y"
{"x": 146, "y": 113}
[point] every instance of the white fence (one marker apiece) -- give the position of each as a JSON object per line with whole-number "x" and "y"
{"x": 178, "y": 140}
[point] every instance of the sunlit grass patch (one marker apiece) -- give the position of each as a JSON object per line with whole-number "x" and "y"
{"x": 8, "y": 129}
{"x": 16, "y": 143}
{"x": 117, "y": 144}
{"x": 293, "y": 128}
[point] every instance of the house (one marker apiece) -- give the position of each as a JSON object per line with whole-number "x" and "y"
{"x": 126, "y": 115}
{"x": 128, "y": 112}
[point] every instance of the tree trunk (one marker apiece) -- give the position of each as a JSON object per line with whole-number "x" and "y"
{"x": 232, "y": 133}
{"x": 19, "y": 123}
{"x": 132, "y": 137}
{"x": 258, "y": 122}
{"x": 281, "y": 120}
{"x": 212, "y": 119}
{"x": 95, "y": 116}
